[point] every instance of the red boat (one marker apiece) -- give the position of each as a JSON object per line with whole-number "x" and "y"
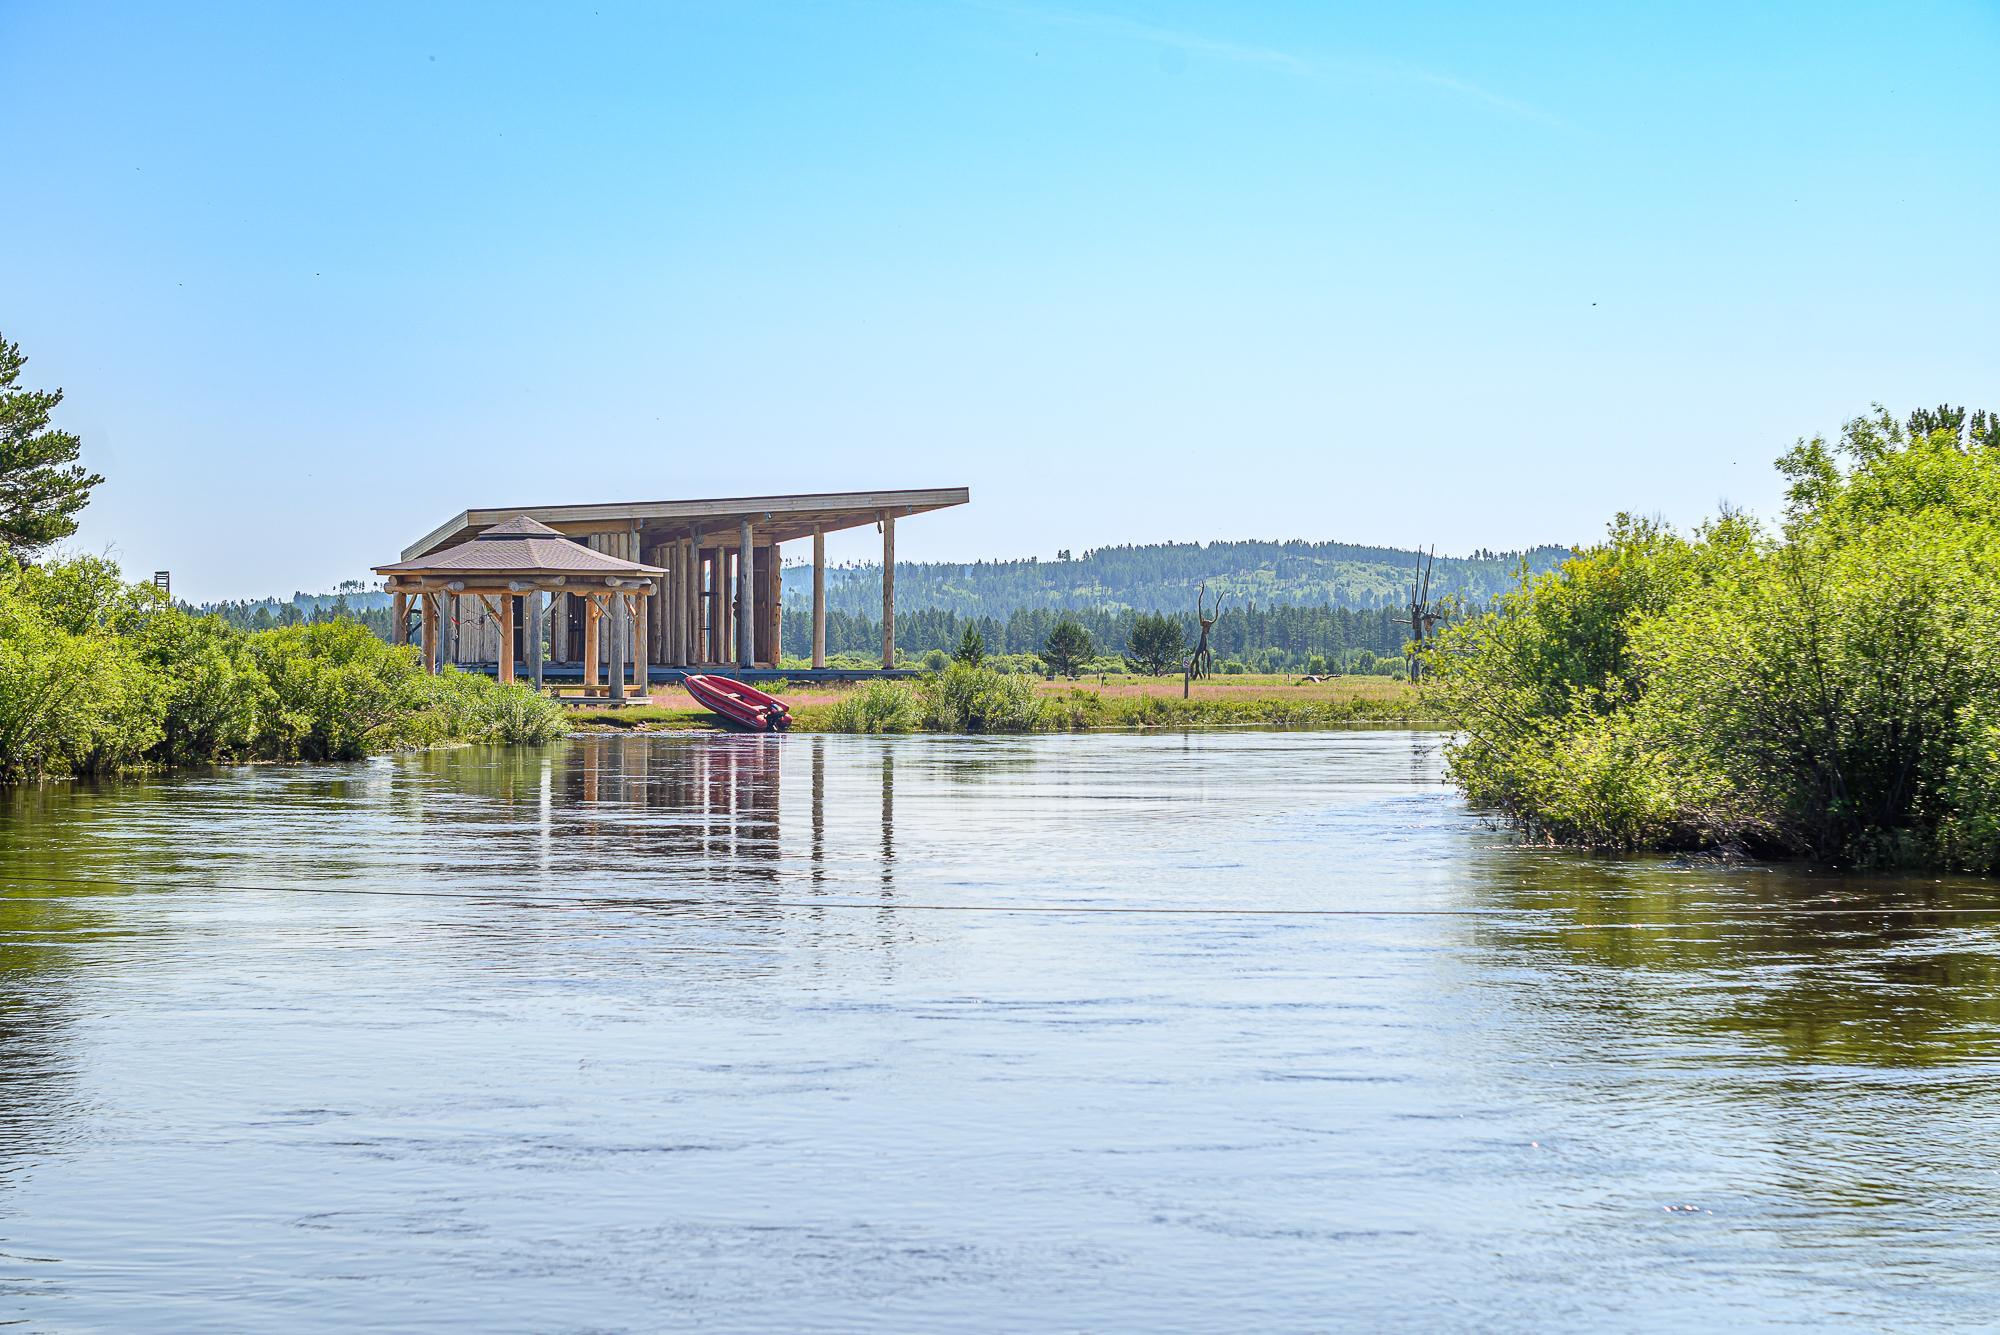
{"x": 739, "y": 703}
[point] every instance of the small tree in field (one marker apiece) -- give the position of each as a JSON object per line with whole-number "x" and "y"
{"x": 41, "y": 484}
{"x": 1067, "y": 649}
{"x": 1157, "y": 645}
{"x": 971, "y": 649}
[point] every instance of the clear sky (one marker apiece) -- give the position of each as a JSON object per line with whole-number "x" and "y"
{"x": 316, "y": 278}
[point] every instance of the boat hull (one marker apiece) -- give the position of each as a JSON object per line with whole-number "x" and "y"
{"x": 745, "y": 706}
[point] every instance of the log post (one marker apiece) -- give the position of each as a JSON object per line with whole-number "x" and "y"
{"x": 774, "y": 603}
{"x": 746, "y": 600}
{"x": 671, "y": 603}
{"x": 506, "y": 672}
{"x": 819, "y": 598}
{"x": 429, "y": 603}
{"x": 535, "y": 636}
{"x": 642, "y": 641}
{"x": 617, "y": 647}
{"x": 399, "y": 617}
{"x": 690, "y": 614}
{"x": 888, "y": 588}
{"x": 717, "y": 570}
{"x": 591, "y": 612}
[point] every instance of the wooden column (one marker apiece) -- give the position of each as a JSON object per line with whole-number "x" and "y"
{"x": 671, "y": 603}
{"x": 616, "y": 656}
{"x": 590, "y": 615}
{"x": 888, "y": 589}
{"x": 686, "y": 609}
{"x": 819, "y": 598}
{"x": 429, "y": 608}
{"x": 399, "y": 617}
{"x": 506, "y": 636}
{"x": 717, "y": 580}
{"x": 774, "y": 604}
{"x": 454, "y": 613}
{"x": 725, "y": 605}
{"x": 535, "y": 636}
{"x": 746, "y": 600}
{"x": 642, "y": 642}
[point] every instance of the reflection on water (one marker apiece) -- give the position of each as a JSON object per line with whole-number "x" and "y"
{"x": 1259, "y": 1031}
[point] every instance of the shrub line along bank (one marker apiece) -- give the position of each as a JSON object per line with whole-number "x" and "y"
{"x": 98, "y": 676}
{"x": 1830, "y": 690}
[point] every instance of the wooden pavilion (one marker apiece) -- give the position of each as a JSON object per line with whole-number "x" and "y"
{"x": 711, "y": 570}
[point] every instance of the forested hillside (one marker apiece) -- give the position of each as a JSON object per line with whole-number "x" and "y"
{"x": 1284, "y": 604}
{"x": 1163, "y": 577}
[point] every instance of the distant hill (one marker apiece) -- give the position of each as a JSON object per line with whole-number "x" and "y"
{"x": 1157, "y": 577}
{"x": 1286, "y": 605}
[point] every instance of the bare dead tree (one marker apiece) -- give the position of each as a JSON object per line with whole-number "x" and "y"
{"x": 1424, "y": 615}
{"x": 1201, "y": 663}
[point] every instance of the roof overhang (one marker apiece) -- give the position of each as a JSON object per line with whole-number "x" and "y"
{"x": 718, "y": 521}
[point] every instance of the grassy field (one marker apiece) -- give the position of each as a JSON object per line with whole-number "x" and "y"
{"x": 1113, "y": 702}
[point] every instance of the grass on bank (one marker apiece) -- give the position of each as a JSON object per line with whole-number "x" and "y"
{"x": 963, "y": 699}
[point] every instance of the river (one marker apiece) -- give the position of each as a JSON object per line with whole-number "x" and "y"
{"x": 1229, "y": 1031}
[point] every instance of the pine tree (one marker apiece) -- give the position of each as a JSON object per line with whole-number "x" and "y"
{"x": 1067, "y": 648}
{"x": 42, "y": 487}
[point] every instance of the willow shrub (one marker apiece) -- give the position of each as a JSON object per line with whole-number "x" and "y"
{"x": 1830, "y": 690}
{"x": 967, "y": 698}
{"x": 879, "y": 706}
{"x": 98, "y": 676}
{"x": 478, "y": 708}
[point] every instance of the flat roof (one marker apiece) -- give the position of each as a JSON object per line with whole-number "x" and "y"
{"x": 775, "y": 518}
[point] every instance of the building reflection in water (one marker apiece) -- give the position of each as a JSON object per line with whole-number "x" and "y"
{"x": 663, "y": 816}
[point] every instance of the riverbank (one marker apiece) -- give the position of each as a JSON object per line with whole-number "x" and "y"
{"x": 1058, "y": 706}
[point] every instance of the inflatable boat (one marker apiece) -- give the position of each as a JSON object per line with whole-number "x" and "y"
{"x": 740, "y": 704}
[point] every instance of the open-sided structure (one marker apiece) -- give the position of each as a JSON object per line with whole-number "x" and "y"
{"x": 712, "y": 567}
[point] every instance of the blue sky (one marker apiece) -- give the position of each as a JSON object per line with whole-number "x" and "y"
{"x": 315, "y": 281}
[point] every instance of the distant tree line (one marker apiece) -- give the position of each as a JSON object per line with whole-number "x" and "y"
{"x": 1162, "y": 577}
{"x": 1267, "y": 639}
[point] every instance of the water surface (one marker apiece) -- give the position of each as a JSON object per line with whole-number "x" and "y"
{"x": 1229, "y": 1031}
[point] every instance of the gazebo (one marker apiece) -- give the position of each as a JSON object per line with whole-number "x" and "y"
{"x": 717, "y": 605}
{"x": 509, "y": 568}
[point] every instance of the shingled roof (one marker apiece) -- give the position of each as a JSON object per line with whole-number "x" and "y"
{"x": 519, "y": 546}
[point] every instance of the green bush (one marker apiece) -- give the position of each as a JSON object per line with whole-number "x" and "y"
{"x": 879, "y": 706}
{"x": 1829, "y": 690}
{"x": 472, "y": 707}
{"x": 98, "y": 676}
{"x": 964, "y": 698}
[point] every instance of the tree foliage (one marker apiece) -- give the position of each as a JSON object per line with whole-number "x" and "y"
{"x": 98, "y": 676}
{"x": 1157, "y": 644}
{"x": 42, "y": 486}
{"x": 1067, "y": 648}
{"x": 1828, "y": 689}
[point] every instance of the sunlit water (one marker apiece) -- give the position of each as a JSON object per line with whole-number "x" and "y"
{"x": 1223, "y": 1032}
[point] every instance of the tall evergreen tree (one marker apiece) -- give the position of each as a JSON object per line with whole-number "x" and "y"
{"x": 42, "y": 486}
{"x": 1067, "y": 649}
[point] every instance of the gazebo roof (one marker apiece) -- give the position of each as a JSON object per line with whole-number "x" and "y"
{"x": 520, "y": 547}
